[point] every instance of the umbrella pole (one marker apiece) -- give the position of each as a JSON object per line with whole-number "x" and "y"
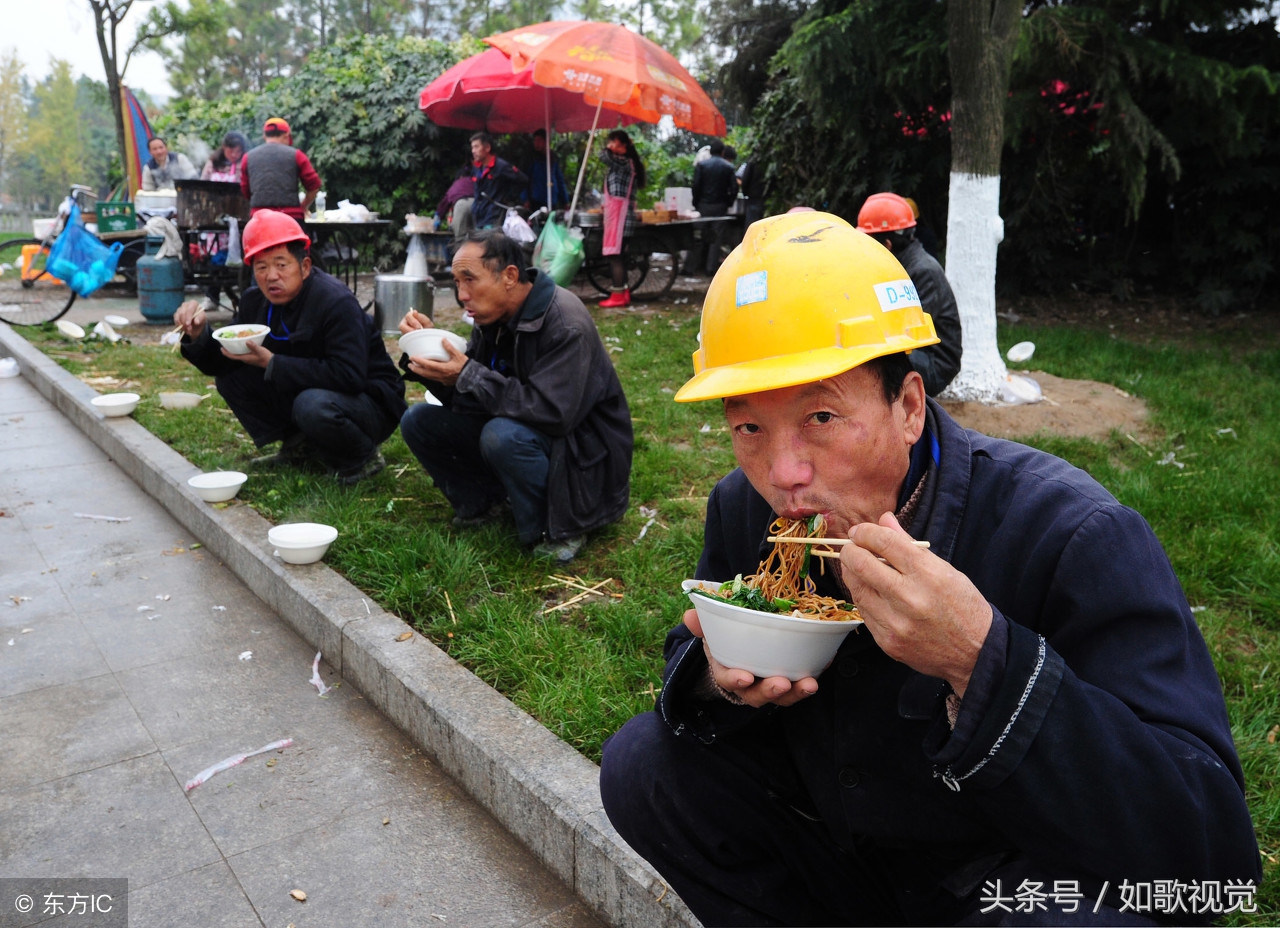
{"x": 577, "y": 188}
{"x": 546, "y": 109}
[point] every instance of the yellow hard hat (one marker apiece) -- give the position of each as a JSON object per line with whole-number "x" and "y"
{"x": 805, "y": 297}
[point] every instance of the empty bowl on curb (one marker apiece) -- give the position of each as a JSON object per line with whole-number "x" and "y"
{"x": 301, "y": 542}
{"x": 116, "y": 404}
{"x": 429, "y": 343}
{"x": 766, "y": 643}
{"x": 217, "y": 486}
{"x": 69, "y": 328}
{"x": 236, "y": 338}
{"x": 181, "y": 400}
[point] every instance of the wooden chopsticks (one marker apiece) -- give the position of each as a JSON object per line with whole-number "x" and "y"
{"x": 830, "y": 542}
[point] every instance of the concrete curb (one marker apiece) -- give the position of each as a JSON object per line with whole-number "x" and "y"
{"x": 539, "y": 788}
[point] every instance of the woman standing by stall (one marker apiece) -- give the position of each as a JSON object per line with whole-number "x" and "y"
{"x": 626, "y": 175}
{"x": 224, "y": 164}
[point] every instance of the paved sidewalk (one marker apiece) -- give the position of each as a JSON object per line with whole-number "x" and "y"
{"x": 131, "y": 660}
{"x": 134, "y": 654}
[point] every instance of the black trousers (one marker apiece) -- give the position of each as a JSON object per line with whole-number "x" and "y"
{"x": 343, "y": 429}
{"x": 728, "y": 827}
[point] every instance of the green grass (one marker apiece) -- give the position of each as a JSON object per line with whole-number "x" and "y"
{"x": 585, "y": 669}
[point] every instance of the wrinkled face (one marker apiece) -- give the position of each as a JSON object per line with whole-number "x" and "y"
{"x": 833, "y": 447}
{"x": 159, "y": 150}
{"x": 482, "y": 293}
{"x": 279, "y": 274}
{"x": 479, "y": 150}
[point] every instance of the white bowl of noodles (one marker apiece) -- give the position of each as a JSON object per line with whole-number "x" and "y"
{"x": 769, "y": 644}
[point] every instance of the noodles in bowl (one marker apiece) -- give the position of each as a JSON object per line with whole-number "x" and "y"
{"x": 773, "y": 623}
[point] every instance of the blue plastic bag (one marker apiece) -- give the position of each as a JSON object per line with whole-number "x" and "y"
{"x": 80, "y": 259}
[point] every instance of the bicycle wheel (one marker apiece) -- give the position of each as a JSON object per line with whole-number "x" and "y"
{"x": 28, "y": 295}
{"x": 663, "y": 270}
{"x": 599, "y": 275}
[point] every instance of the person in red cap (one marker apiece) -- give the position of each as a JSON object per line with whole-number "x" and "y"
{"x": 322, "y": 382}
{"x": 270, "y": 173}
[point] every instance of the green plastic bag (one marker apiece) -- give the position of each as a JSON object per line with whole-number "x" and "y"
{"x": 559, "y": 252}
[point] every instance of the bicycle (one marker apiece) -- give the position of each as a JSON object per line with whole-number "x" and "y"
{"x": 29, "y": 293}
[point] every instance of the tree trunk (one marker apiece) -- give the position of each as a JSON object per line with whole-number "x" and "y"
{"x": 107, "y": 20}
{"x": 982, "y": 35}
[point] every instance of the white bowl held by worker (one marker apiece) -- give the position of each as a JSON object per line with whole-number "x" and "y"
{"x": 301, "y": 542}
{"x": 767, "y": 644}
{"x": 116, "y": 404}
{"x": 236, "y": 338}
{"x": 217, "y": 486}
{"x": 180, "y": 400}
{"x": 429, "y": 343}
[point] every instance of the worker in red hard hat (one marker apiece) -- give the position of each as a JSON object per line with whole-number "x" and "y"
{"x": 890, "y": 220}
{"x": 321, "y": 382}
{"x": 270, "y": 174}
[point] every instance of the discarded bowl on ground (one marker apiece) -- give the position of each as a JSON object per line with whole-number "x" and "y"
{"x": 429, "y": 343}
{"x": 116, "y": 404}
{"x": 116, "y": 321}
{"x": 9, "y": 367}
{"x": 181, "y": 400}
{"x": 236, "y": 338}
{"x": 217, "y": 486}
{"x": 1018, "y": 390}
{"x": 767, "y": 644}
{"x": 69, "y": 328}
{"x": 1021, "y": 352}
{"x": 301, "y": 542}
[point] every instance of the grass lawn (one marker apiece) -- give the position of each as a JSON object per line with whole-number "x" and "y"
{"x": 1207, "y": 484}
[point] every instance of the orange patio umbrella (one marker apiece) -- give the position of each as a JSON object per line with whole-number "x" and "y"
{"x": 613, "y": 67}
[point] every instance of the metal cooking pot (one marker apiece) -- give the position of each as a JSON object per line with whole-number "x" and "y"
{"x": 589, "y": 220}
{"x": 396, "y": 294}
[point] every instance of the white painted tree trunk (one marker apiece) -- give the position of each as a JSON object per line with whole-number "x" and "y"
{"x": 974, "y": 230}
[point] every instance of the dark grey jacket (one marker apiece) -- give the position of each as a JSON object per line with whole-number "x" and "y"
{"x": 937, "y": 364}
{"x": 564, "y": 385}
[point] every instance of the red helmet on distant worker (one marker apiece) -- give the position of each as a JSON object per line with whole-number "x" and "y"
{"x": 268, "y": 228}
{"x": 885, "y": 212}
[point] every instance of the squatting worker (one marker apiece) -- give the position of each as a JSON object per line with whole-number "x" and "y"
{"x": 322, "y": 383}
{"x": 890, "y": 220}
{"x": 533, "y": 413}
{"x": 270, "y": 174}
{"x": 1030, "y": 703}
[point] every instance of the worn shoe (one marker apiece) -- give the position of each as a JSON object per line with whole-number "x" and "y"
{"x": 617, "y": 298}
{"x": 373, "y": 466}
{"x": 562, "y": 551}
{"x": 491, "y": 514}
{"x": 293, "y": 450}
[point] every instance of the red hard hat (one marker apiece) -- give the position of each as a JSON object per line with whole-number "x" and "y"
{"x": 885, "y": 212}
{"x": 268, "y": 228}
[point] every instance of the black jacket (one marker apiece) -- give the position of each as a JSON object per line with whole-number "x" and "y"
{"x": 1093, "y": 738}
{"x": 937, "y": 364}
{"x": 323, "y": 339}
{"x": 715, "y": 186}
{"x": 563, "y": 384}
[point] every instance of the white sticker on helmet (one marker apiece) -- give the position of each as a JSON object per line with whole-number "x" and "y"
{"x": 754, "y": 288}
{"x": 897, "y": 294}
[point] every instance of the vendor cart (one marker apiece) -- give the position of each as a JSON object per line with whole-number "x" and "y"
{"x": 653, "y": 251}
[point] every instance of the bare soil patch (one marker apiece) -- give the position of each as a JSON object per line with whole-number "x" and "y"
{"x": 1072, "y": 408}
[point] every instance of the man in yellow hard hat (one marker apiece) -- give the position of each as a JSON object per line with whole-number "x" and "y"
{"x": 1029, "y": 719}
{"x": 321, "y": 383}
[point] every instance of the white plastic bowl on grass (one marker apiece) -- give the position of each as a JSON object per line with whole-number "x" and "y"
{"x": 181, "y": 400}
{"x": 236, "y": 338}
{"x": 766, "y": 643}
{"x": 218, "y": 486}
{"x": 301, "y": 542}
{"x": 429, "y": 343}
{"x": 116, "y": 404}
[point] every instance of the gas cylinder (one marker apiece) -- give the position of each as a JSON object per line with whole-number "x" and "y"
{"x": 159, "y": 284}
